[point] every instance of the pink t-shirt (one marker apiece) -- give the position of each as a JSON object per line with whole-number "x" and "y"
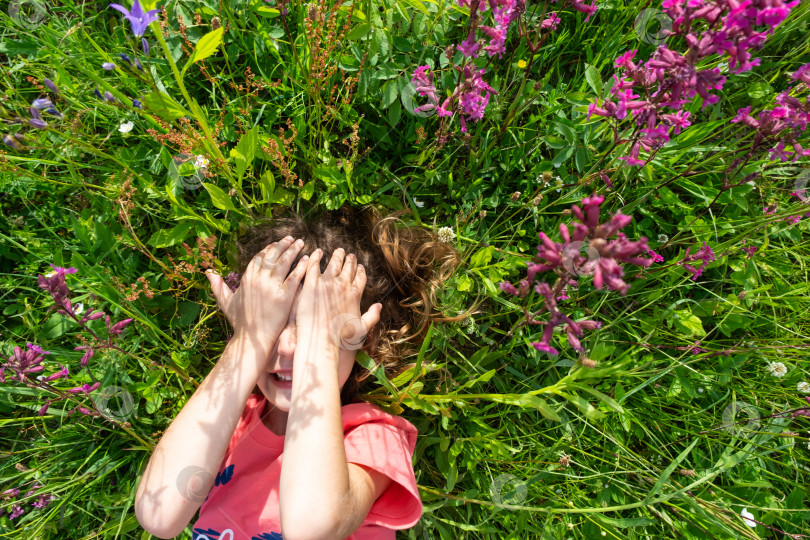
{"x": 243, "y": 502}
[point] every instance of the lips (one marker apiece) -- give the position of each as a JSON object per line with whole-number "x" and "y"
{"x": 278, "y": 382}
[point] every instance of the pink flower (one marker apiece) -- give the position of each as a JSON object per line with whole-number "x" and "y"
{"x": 551, "y": 22}
{"x": 468, "y": 47}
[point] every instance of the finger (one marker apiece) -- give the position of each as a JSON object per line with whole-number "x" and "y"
{"x": 314, "y": 266}
{"x": 372, "y": 316}
{"x": 298, "y": 272}
{"x": 269, "y": 254}
{"x": 349, "y": 268}
{"x": 360, "y": 278}
{"x": 219, "y": 288}
{"x": 289, "y": 255}
{"x": 336, "y": 262}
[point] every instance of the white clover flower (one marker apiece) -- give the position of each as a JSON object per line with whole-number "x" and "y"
{"x": 202, "y": 162}
{"x": 663, "y": 238}
{"x": 747, "y": 517}
{"x": 126, "y": 127}
{"x": 79, "y": 308}
{"x": 777, "y": 369}
{"x": 418, "y": 203}
{"x": 446, "y": 234}
{"x": 803, "y": 387}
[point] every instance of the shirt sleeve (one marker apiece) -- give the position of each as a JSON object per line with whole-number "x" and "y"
{"x": 388, "y": 450}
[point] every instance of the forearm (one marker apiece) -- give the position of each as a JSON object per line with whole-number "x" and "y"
{"x": 196, "y": 441}
{"x": 314, "y": 479}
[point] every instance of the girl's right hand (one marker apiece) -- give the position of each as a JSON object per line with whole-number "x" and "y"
{"x": 260, "y": 307}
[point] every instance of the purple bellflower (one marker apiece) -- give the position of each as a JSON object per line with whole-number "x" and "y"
{"x": 138, "y": 18}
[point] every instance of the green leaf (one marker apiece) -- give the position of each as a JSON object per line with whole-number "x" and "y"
{"x": 220, "y": 199}
{"x": 207, "y": 46}
{"x": 417, "y": 4}
{"x": 688, "y": 323}
{"x": 307, "y": 191}
{"x": 482, "y": 257}
{"x": 378, "y": 371}
{"x": 527, "y": 401}
{"x": 668, "y": 471}
{"x": 164, "y": 106}
{"x": 246, "y": 151}
{"x": 390, "y": 93}
{"x": 359, "y": 31}
{"x": 267, "y": 183}
{"x": 56, "y": 326}
{"x": 165, "y": 237}
{"x": 593, "y": 79}
{"x": 464, "y": 283}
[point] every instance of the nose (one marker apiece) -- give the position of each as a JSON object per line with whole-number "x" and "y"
{"x": 287, "y": 341}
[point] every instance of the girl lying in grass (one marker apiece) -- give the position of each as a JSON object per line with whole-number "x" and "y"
{"x": 276, "y": 440}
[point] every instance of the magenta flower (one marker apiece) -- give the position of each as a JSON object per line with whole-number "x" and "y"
{"x": 704, "y": 254}
{"x": 138, "y": 18}
{"x": 85, "y": 388}
{"x": 602, "y": 258}
{"x": 23, "y": 363}
{"x": 551, "y": 22}
{"x": 469, "y": 46}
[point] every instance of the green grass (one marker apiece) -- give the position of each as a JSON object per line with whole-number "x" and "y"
{"x": 513, "y": 443}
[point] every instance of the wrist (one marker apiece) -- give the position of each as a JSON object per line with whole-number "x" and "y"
{"x": 253, "y": 341}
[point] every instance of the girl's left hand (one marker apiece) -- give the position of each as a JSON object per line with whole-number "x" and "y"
{"x": 329, "y": 304}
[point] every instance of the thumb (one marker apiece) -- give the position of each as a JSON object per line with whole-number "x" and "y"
{"x": 218, "y": 287}
{"x": 372, "y": 316}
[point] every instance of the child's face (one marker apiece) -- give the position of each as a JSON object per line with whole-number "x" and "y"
{"x": 281, "y": 360}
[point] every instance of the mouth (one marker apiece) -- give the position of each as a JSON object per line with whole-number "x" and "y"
{"x": 284, "y": 377}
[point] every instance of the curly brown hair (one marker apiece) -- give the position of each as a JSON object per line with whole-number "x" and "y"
{"x": 405, "y": 265}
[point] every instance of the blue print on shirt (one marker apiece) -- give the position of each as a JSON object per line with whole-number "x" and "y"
{"x": 222, "y": 478}
{"x": 211, "y": 534}
{"x": 225, "y": 476}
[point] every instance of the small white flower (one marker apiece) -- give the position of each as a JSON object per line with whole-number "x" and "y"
{"x": 446, "y": 234}
{"x": 126, "y": 127}
{"x": 777, "y": 369}
{"x": 747, "y": 517}
{"x": 803, "y": 387}
{"x": 50, "y": 274}
{"x": 202, "y": 162}
{"x": 663, "y": 238}
{"x": 723, "y": 66}
{"x": 700, "y": 390}
{"x": 418, "y": 203}
{"x": 558, "y": 182}
{"x": 79, "y": 308}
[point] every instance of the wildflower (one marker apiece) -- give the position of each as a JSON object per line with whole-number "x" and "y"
{"x": 748, "y": 517}
{"x": 565, "y": 460}
{"x": 803, "y": 412}
{"x": 42, "y": 103}
{"x": 109, "y": 66}
{"x": 663, "y": 238}
{"x": 469, "y": 47}
{"x": 23, "y": 363}
{"x": 777, "y": 369}
{"x": 232, "y": 281}
{"x": 58, "y": 375}
{"x": 109, "y": 97}
{"x": 118, "y": 327}
{"x": 85, "y": 388}
{"x": 136, "y": 103}
{"x": 201, "y": 162}
{"x": 50, "y": 84}
{"x": 145, "y": 46}
{"x": 446, "y": 234}
{"x": 695, "y": 349}
{"x": 43, "y": 500}
{"x": 97, "y": 93}
{"x": 419, "y": 204}
{"x": 36, "y": 120}
{"x": 750, "y": 250}
{"x": 551, "y": 22}
{"x": 803, "y": 387}
{"x": 87, "y": 355}
{"x": 521, "y": 64}
{"x": 704, "y": 254}
{"x": 16, "y": 511}
{"x": 139, "y": 19}
{"x": 126, "y": 127}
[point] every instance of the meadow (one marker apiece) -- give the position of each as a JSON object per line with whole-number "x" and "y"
{"x": 625, "y": 181}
